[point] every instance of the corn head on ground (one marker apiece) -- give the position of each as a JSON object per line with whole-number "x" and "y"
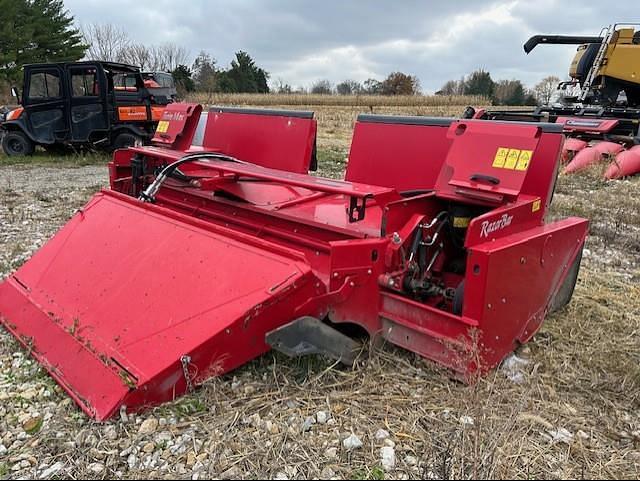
{"x": 565, "y": 407}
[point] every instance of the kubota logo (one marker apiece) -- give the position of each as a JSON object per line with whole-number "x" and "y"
{"x": 489, "y": 227}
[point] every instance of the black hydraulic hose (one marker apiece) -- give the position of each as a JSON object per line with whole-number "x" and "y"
{"x": 149, "y": 194}
{"x": 415, "y": 244}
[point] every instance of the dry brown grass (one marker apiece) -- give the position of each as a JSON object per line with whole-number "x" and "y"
{"x": 311, "y": 100}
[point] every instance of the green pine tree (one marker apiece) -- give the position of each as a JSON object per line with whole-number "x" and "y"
{"x": 36, "y": 31}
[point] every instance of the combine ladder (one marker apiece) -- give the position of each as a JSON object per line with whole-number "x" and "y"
{"x": 597, "y": 63}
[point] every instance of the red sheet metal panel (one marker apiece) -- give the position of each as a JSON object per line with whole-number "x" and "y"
{"x": 406, "y": 153}
{"x": 275, "y": 139}
{"x": 177, "y": 125}
{"x": 485, "y": 158}
{"x": 122, "y": 292}
{"x": 581, "y": 124}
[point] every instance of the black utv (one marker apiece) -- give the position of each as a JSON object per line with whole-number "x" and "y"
{"x": 82, "y": 104}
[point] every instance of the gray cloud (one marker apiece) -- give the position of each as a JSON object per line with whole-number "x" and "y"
{"x": 301, "y": 41}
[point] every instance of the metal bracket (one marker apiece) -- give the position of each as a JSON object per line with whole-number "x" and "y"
{"x": 356, "y": 211}
{"x": 308, "y": 335}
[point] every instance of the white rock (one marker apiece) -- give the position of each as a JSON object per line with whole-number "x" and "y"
{"x": 561, "y": 436}
{"x": 327, "y": 473}
{"x": 3, "y": 450}
{"x": 132, "y": 461}
{"x": 514, "y": 367}
{"x": 388, "y": 442}
{"x": 148, "y": 426}
{"x": 466, "y": 420}
{"x": 322, "y": 417}
{"x": 352, "y": 442}
{"x": 96, "y": 468}
{"x": 581, "y": 434}
{"x": 381, "y": 435}
{"x": 51, "y": 471}
{"x": 387, "y": 458}
{"x": 111, "y": 433}
{"x": 281, "y": 476}
{"x": 331, "y": 453}
{"x": 306, "y": 426}
{"x": 411, "y": 461}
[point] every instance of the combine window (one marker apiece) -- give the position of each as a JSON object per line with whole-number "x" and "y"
{"x": 84, "y": 83}
{"x": 44, "y": 85}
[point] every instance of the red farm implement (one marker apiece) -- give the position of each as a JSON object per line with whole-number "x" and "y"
{"x": 215, "y": 245}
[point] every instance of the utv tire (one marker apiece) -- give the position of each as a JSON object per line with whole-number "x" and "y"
{"x": 15, "y": 143}
{"x": 124, "y": 140}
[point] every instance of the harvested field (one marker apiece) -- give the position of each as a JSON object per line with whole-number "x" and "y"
{"x": 566, "y": 407}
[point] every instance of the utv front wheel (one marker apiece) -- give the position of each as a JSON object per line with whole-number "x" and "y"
{"x": 16, "y": 143}
{"x": 124, "y": 140}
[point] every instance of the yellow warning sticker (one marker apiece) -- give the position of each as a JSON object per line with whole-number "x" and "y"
{"x": 461, "y": 222}
{"x": 501, "y": 157}
{"x": 512, "y": 159}
{"x": 535, "y": 207}
{"x": 524, "y": 159}
{"x": 163, "y": 126}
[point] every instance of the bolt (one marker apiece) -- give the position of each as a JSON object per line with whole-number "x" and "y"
{"x": 352, "y": 283}
{"x": 335, "y": 274}
{"x": 396, "y": 238}
{"x": 369, "y": 271}
{"x": 391, "y": 282}
{"x": 523, "y": 260}
{"x": 504, "y": 300}
{"x": 489, "y": 305}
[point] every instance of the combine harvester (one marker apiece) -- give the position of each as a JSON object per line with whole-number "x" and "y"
{"x": 215, "y": 245}
{"x": 599, "y": 127}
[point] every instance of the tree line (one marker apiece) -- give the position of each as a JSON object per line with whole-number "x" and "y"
{"x": 502, "y": 92}
{"x": 396, "y": 83}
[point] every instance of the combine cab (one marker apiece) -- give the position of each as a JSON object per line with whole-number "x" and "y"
{"x": 215, "y": 245}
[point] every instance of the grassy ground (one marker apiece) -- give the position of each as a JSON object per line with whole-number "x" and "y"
{"x": 574, "y": 412}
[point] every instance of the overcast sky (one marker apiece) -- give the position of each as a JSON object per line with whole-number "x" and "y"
{"x": 301, "y": 41}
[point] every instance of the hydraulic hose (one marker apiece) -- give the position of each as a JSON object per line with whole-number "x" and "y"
{"x": 149, "y": 194}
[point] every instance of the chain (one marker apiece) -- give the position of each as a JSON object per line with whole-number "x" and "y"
{"x": 186, "y": 360}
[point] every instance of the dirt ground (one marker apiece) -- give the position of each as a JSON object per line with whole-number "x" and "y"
{"x": 566, "y": 407}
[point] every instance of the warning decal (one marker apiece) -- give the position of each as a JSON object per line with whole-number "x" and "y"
{"x": 501, "y": 157}
{"x": 163, "y": 126}
{"x": 512, "y": 159}
{"x": 535, "y": 207}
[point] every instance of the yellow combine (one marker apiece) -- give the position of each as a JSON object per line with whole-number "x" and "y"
{"x": 601, "y": 115}
{"x": 604, "y": 65}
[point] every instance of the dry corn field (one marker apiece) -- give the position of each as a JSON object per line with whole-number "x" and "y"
{"x": 566, "y": 406}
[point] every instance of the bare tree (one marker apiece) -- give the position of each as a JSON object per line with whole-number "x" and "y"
{"x": 169, "y": 55}
{"x": 323, "y": 87}
{"x": 545, "y": 89}
{"x": 140, "y": 55}
{"x": 349, "y": 87}
{"x": 111, "y": 43}
{"x": 106, "y": 42}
